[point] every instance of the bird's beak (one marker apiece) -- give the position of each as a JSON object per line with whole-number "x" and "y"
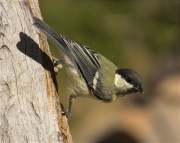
{"x": 139, "y": 88}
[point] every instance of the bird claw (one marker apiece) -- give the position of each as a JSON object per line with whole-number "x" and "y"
{"x": 56, "y": 64}
{"x": 66, "y": 113}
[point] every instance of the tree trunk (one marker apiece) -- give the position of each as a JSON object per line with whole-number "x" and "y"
{"x": 29, "y": 104}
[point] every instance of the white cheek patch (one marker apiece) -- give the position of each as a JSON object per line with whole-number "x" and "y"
{"x": 95, "y": 80}
{"x": 121, "y": 83}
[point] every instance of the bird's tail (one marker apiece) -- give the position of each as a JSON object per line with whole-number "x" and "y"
{"x": 50, "y": 33}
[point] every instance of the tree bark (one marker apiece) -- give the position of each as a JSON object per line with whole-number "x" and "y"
{"x": 29, "y": 104}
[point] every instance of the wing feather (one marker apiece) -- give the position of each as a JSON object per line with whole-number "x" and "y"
{"x": 86, "y": 60}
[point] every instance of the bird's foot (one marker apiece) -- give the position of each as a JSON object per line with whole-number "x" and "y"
{"x": 56, "y": 64}
{"x": 66, "y": 113}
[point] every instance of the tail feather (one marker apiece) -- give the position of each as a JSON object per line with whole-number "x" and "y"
{"x": 42, "y": 26}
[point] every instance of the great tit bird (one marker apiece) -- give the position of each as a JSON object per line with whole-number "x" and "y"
{"x": 91, "y": 74}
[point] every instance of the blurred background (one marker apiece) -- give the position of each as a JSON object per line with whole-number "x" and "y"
{"x": 141, "y": 35}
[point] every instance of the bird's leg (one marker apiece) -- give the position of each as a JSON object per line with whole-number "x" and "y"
{"x": 56, "y": 64}
{"x": 68, "y": 111}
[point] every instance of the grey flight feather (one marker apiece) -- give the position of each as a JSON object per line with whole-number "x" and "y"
{"x": 86, "y": 59}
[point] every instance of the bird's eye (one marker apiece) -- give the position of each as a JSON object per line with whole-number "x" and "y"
{"x": 129, "y": 80}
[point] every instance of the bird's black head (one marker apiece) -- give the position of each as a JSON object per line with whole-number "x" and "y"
{"x": 131, "y": 80}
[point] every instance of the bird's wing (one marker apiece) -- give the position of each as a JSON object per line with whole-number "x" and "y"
{"x": 85, "y": 58}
